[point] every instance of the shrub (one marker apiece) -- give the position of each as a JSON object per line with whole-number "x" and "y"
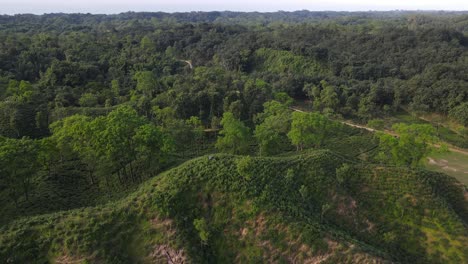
{"x": 245, "y": 167}
{"x": 376, "y": 124}
{"x": 202, "y": 228}
{"x": 460, "y": 113}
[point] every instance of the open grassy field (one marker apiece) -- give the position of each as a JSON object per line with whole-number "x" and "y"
{"x": 452, "y": 163}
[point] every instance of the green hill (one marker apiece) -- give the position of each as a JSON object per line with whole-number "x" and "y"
{"x": 318, "y": 206}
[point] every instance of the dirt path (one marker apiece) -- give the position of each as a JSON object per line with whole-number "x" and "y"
{"x": 189, "y": 63}
{"x": 358, "y": 126}
{"x": 351, "y": 124}
{"x": 461, "y": 151}
{"x": 453, "y": 149}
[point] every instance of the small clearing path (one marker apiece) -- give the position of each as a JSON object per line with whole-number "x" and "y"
{"x": 451, "y": 148}
{"x": 189, "y": 63}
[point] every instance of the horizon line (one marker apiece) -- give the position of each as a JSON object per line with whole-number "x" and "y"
{"x": 237, "y": 11}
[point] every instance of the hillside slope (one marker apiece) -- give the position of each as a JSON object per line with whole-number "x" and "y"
{"x": 310, "y": 208}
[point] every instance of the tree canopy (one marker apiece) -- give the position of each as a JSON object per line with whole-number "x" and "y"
{"x": 413, "y": 143}
{"x": 309, "y": 129}
{"x": 235, "y": 136}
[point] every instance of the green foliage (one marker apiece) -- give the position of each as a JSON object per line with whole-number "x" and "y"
{"x": 145, "y": 60}
{"x": 274, "y": 124}
{"x": 115, "y": 88}
{"x": 18, "y": 164}
{"x": 20, "y": 91}
{"x": 146, "y": 83}
{"x": 234, "y": 137}
{"x": 122, "y": 140}
{"x": 328, "y": 96}
{"x": 76, "y": 134}
{"x": 185, "y": 133}
{"x": 205, "y": 208}
{"x": 197, "y": 129}
{"x": 152, "y": 146}
{"x": 309, "y": 129}
{"x": 284, "y": 98}
{"x": 130, "y": 94}
{"x": 18, "y": 111}
{"x": 202, "y": 228}
{"x": 88, "y": 100}
{"x": 343, "y": 175}
{"x": 410, "y": 147}
{"x": 280, "y": 62}
{"x": 366, "y": 108}
{"x": 460, "y": 114}
{"x": 304, "y": 191}
{"x": 245, "y": 167}
{"x": 360, "y": 144}
{"x": 376, "y": 124}
{"x": 147, "y": 44}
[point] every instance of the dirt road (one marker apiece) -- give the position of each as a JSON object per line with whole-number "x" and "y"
{"x": 451, "y": 148}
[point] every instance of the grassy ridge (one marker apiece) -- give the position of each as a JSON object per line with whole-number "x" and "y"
{"x": 66, "y": 189}
{"x": 223, "y": 208}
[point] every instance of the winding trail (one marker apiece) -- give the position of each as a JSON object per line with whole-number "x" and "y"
{"x": 189, "y": 63}
{"x": 451, "y": 148}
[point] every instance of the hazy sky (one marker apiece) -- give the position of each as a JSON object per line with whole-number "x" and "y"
{"x": 117, "y": 6}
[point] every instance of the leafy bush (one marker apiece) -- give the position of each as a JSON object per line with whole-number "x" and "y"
{"x": 460, "y": 113}
{"x": 376, "y": 124}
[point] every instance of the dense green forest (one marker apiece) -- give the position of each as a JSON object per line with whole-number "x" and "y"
{"x": 221, "y": 137}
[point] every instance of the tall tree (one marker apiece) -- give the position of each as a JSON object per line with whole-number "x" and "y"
{"x": 18, "y": 165}
{"x": 234, "y": 136}
{"x": 274, "y": 123}
{"x": 413, "y": 144}
{"x": 328, "y": 96}
{"x": 77, "y": 135}
{"x": 151, "y": 147}
{"x": 309, "y": 129}
{"x": 147, "y": 83}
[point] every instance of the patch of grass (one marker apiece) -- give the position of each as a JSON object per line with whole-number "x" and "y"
{"x": 451, "y": 163}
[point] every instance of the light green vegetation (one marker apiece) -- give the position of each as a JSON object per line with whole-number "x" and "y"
{"x": 414, "y": 142}
{"x": 225, "y": 208}
{"x": 451, "y": 163}
{"x": 446, "y": 130}
{"x": 234, "y": 135}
